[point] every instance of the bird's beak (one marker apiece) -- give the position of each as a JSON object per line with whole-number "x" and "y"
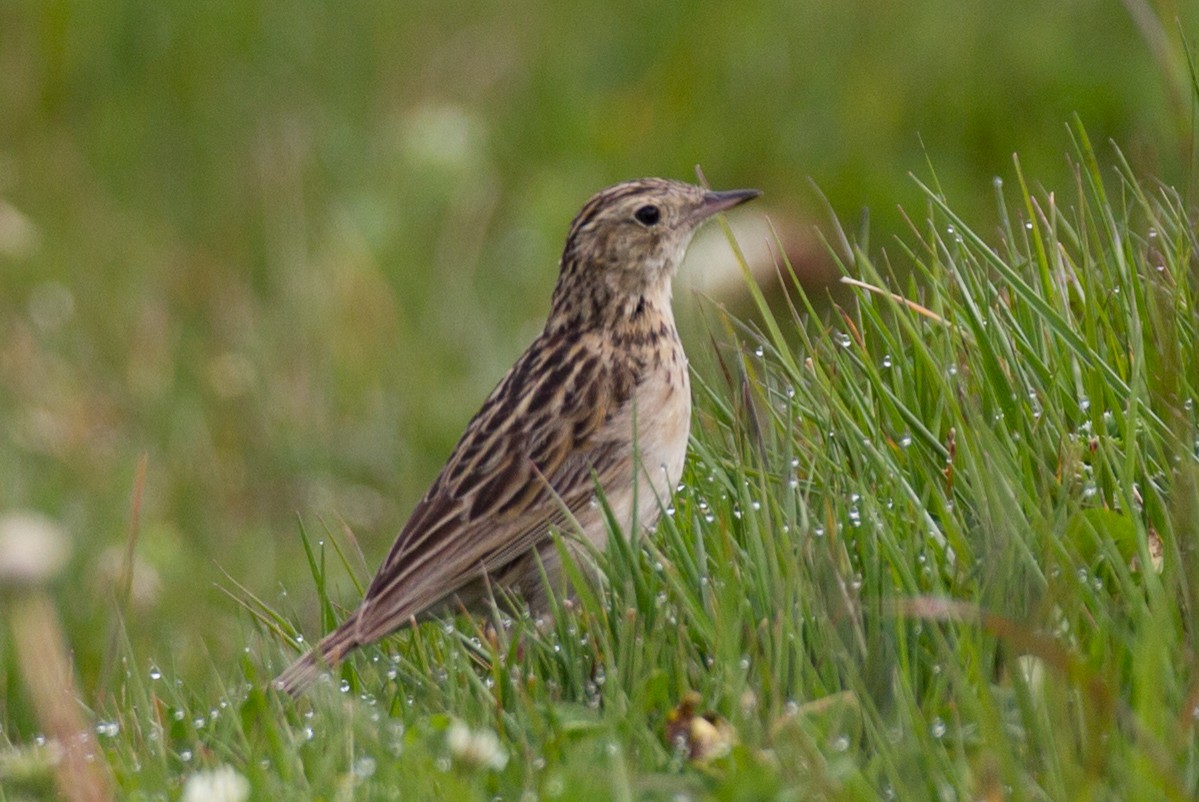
{"x": 716, "y": 202}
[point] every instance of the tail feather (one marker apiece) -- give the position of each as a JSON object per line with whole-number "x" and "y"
{"x": 301, "y": 674}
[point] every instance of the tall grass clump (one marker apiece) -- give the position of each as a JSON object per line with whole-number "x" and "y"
{"x": 975, "y": 503}
{"x": 939, "y": 542}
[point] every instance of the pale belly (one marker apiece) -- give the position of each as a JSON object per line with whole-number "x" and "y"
{"x": 659, "y": 421}
{"x": 663, "y": 426}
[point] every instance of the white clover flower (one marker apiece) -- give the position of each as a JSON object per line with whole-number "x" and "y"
{"x": 478, "y": 748}
{"x": 222, "y": 784}
{"x": 33, "y": 548}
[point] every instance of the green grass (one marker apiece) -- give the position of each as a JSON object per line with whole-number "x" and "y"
{"x": 284, "y": 251}
{"x": 238, "y": 254}
{"x": 939, "y": 543}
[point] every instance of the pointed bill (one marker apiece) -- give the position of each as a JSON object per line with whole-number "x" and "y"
{"x": 716, "y": 202}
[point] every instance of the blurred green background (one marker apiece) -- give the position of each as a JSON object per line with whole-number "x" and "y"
{"x": 284, "y": 249}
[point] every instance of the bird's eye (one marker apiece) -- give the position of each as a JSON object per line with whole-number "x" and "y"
{"x": 648, "y": 214}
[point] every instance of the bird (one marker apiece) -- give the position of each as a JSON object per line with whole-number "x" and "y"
{"x": 598, "y": 406}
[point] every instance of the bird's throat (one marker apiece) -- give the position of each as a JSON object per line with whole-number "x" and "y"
{"x": 603, "y": 307}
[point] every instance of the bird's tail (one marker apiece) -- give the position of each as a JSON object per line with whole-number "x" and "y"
{"x": 300, "y": 675}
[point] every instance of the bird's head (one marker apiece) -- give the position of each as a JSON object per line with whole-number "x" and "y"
{"x": 628, "y": 240}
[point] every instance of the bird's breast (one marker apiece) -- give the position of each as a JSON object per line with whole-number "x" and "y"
{"x": 662, "y": 424}
{"x": 649, "y": 425}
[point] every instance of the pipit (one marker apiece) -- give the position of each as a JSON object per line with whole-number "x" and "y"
{"x": 600, "y": 403}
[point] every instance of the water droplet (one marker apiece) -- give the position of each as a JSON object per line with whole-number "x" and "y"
{"x": 938, "y": 728}
{"x": 108, "y": 729}
{"x": 905, "y": 440}
{"x": 155, "y": 674}
{"x": 842, "y": 339}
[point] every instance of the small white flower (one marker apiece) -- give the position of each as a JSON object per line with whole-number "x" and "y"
{"x": 444, "y": 136}
{"x": 19, "y": 237}
{"x": 32, "y": 548}
{"x": 1032, "y": 670}
{"x": 222, "y": 784}
{"x": 477, "y": 748}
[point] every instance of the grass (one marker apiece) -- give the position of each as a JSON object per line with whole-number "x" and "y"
{"x": 281, "y": 252}
{"x": 936, "y": 543}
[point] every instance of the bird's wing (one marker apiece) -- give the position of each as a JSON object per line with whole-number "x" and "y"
{"x": 528, "y": 460}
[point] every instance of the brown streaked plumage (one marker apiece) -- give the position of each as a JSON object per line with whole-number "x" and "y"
{"x": 558, "y": 424}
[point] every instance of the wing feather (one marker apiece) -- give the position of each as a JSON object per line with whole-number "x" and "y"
{"x": 529, "y": 460}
